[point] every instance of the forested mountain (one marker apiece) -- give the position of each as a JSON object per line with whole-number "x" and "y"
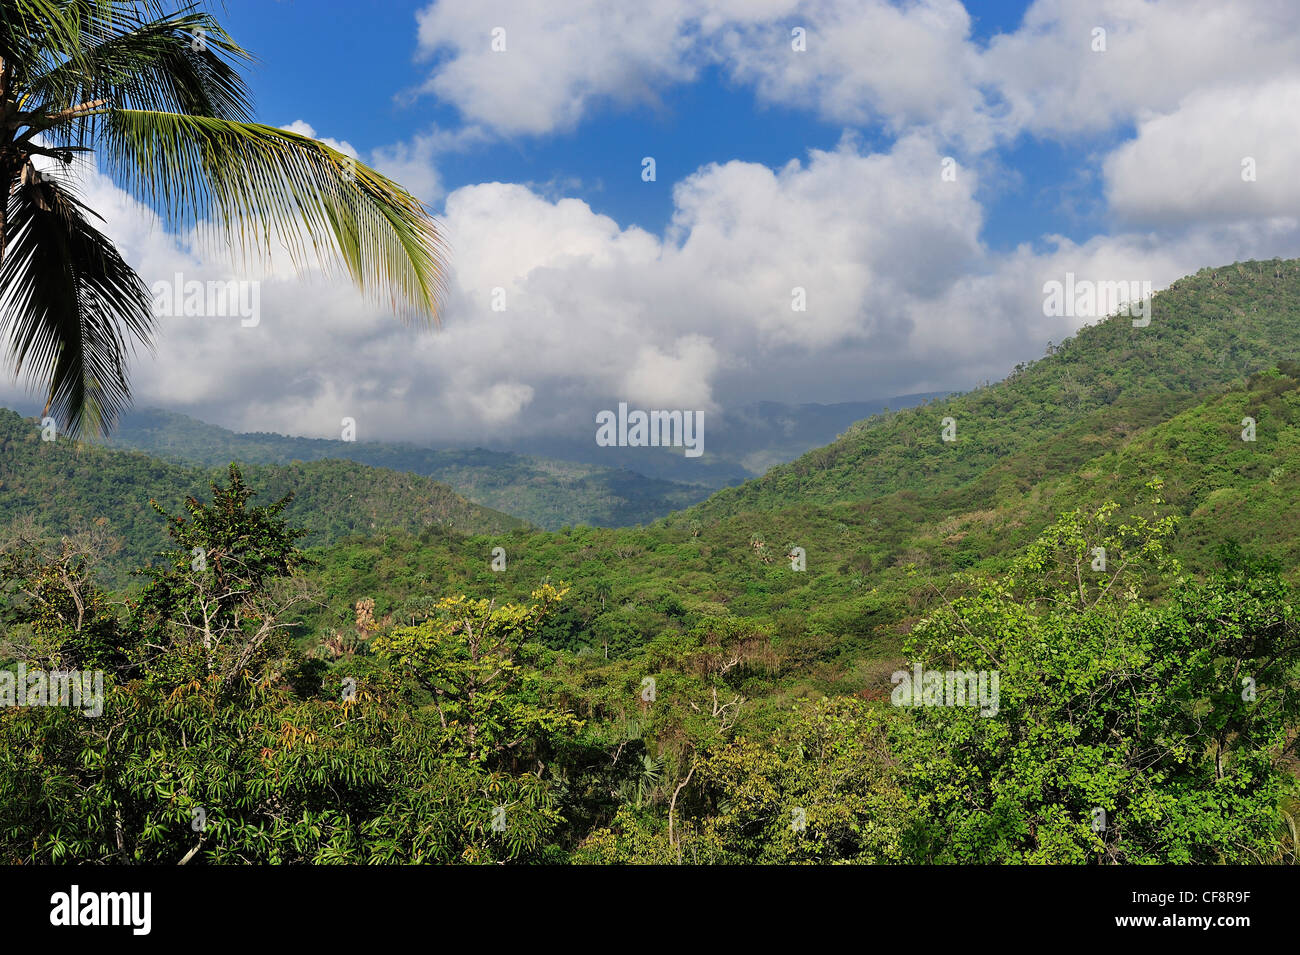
{"x": 545, "y": 492}
{"x": 1106, "y": 413}
{"x": 1090, "y": 394}
{"x": 1109, "y": 539}
{"x": 869, "y": 569}
{"x": 892, "y": 499}
{"x": 64, "y": 485}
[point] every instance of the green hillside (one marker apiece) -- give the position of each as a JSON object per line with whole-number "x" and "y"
{"x": 869, "y": 570}
{"x": 889, "y": 510}
{"x": 675, "y": 692}
{"x": 65, "y": 486}
{"x": 544, "y": 492}
{"x": 1207, "y": 331}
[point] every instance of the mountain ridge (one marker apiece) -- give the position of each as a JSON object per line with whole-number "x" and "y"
{"x": 72, "y": 485}
{"x": 880, "y": 533}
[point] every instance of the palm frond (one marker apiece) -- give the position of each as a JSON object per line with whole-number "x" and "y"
{"x": 71, "y": 305}
{"x": 183, "y": 62}
{"x": 261, "y": 186}
{"x": 169, "y": 116}
{"x": 35, "y": 32}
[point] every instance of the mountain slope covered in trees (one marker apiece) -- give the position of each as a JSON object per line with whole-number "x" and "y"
{"x": 723, "y": 685}
{"x": 896, "y": 508}
{"x": 545, "y": 492}
{"x": 66, "y": 485}
{"x": 1207, "y": 331}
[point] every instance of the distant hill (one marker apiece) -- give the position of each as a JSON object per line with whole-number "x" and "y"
{"x": 1208, "y": 331}
{"x": 888, "y": 511}
{"x": 544, "y": 492}
{"x": 740, "y": 443}
{"x": 559, "y": 482}
{"x": 65, "y": 486}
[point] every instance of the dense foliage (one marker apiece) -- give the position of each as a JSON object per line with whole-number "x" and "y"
{"x": 724, "y": 685}
{"x": 461, "y": 738}
{"x": 547, "y": 493}
{"x": 69, "y": 485}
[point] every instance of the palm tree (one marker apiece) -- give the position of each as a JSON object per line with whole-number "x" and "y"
{"x": 158, "y": 98}
{"x": 603, "y": 592}
{"x": 648, "y": 778}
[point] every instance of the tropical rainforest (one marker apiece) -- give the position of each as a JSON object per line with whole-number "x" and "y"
{"x": 330, "y": 662}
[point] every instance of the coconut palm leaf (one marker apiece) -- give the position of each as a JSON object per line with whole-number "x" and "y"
{"x": 261, "y": 186}
{"x": 71, "y": 305}
{"x": 183, "y": 62}
{"x": 157, "y": 95}
{"x": 33, "y": 30}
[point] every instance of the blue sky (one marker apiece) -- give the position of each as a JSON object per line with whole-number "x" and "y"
{"x": 351, "y": 76}
{"x": 1103, "y": 138}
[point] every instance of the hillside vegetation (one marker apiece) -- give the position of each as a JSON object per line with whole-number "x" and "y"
{"x": 1101, "y": 548}
{"x": 65, "y": 485}
{"x": 544, "y": 492}
{"x": 1091, "y": 393}
{"x": 889, "y": 510}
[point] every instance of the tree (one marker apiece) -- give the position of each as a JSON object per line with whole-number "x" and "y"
{"x": 604, "y": 592}
{"x": 470, "y": 655}
{"x": 158, "y": 97}
{"x": 228, "y": 585}
{"x": 493, "y": 735}
{"x": 1123, "y": 731}
{"x": 819, "y": 788}
{"x": 52, "y": 612}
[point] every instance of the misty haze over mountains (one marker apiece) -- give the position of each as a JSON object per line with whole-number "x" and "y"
{"x": 550, "y": 481}
{"x": 738, "y": 444}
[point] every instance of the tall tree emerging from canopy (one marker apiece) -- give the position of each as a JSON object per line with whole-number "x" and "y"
{"x": 156, "y": 94}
